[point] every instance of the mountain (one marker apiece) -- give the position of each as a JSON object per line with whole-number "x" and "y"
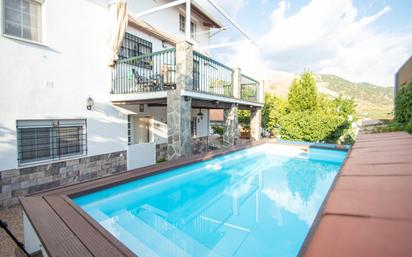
{"x": 372, "y": 101}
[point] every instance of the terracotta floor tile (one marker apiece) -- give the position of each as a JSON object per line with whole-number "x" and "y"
{"x": 380, "y": 159}
{"x": 377, "y": 183}
{"x": 395, "y": 205}
{"x": 342, "y": 236}
{"x": 376, "y": 170}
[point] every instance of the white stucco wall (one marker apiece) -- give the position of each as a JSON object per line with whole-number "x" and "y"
{"x": 53, "y": 80}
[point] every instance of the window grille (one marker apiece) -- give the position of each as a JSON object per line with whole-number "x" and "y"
{"x": 42, "y": 140}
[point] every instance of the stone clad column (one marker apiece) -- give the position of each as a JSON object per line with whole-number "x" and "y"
{"x": 231, "y": 133}
{"x": 179, "y": 138}
{"x": 255, "y": 120}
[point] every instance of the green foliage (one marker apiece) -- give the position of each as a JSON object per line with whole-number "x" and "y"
{"x": 303, "y": 94}
{"x": 403, "y": 104}
{"x": 273, "y": 109}
{"x": 309, "y": 116}
{"x": 218, "y": 129}
{"x": 243, "y": 117}
{"x": 311, "y": 126}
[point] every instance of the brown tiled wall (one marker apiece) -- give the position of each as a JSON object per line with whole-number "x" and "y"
{"x": 22, "y": 181}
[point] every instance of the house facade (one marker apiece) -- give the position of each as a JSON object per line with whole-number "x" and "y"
{"x": 403, "y": 76}
{"x": 67, "y": 115}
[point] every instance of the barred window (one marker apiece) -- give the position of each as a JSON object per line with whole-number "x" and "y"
{"x": 42, "y": 140}
{"x": 22, "y": 18}
{"x": 134, "y": 46}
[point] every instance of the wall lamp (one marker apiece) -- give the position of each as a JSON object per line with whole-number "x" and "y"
{"x": 89, "y": 103}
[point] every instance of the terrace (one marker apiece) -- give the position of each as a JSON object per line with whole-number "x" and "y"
{"x": 157, "y": 73}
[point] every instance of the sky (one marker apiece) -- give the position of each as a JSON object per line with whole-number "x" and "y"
{"x": 360, "y": 40}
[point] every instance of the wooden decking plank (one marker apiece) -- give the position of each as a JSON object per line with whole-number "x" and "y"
{"x": 56, "y": 237}
{"x": 91, "y": 238}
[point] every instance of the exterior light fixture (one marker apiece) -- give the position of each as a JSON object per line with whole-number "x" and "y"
{"x": 200, "y": 114}
{"x": 89, "y": 103}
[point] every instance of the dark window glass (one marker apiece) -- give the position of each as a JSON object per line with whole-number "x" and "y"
{"x": 51, "y": 140}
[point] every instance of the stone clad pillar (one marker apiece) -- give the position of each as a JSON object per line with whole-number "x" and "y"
{"x": 255, "y": 121}
{"x": 231, "y": 133}
{"x": 179, "y": 139}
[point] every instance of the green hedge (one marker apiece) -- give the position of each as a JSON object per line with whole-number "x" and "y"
{"x": 403, "y": 104}
{"x": 312, "y": 126}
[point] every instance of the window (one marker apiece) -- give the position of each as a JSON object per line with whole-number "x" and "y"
{"x": 182, "y": 26}
{"x": 40, "y": 140}
{"x": 134, "y": 46}
{"x": 22, "y": 18}
{"x": 196, "y": 75}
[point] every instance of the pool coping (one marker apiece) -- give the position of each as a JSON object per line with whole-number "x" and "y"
{"x": 364, "y": 213}
{"x": 60, "y": 202}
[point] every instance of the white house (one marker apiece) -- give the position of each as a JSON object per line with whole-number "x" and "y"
{"x": 67, "y": 116}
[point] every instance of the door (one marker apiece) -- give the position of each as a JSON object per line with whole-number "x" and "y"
{"x": 142, "y": 131}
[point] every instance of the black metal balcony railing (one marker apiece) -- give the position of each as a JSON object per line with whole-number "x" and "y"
{"x": 145, "y": 73}
{"x": 157, "y": 72}
{"x": 210, "y": 76}
{"x": 249, "y": 89}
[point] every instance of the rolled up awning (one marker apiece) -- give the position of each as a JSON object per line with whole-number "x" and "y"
{"x": 119, "y": 31}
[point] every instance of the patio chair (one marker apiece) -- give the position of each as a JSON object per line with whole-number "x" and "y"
{"x": 147, "y": 84}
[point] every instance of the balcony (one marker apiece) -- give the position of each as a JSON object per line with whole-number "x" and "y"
{"x": 156, "y": 72}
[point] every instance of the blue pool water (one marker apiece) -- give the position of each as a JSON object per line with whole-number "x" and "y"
{"x": 256, "y": 202}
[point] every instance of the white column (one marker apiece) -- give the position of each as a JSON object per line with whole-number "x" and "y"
{"x": 188, "y": 19}
{"x": 237, "y": 81}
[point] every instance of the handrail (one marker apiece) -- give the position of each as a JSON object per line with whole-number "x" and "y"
{"x": 211, "y": 60}
{"x": 145, "y": 73}
{"x": 249, "y": 88}
{"x": 211, "y": 76}
{"x": 147, "y": 55}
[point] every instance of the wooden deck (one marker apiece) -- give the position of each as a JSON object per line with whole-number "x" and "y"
{"x": 65, "y": 230}
{"x": 369, "y": 211}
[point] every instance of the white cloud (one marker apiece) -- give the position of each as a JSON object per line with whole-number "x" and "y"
{"x": 328, "y": 37}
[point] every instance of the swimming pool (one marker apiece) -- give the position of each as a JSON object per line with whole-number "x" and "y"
{"x": 255, "y": 202}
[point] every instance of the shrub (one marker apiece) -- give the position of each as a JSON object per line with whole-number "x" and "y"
{"x": 273, "y": 109}
{"x": 243, "y": 117}
{"x": 403, "y": 104}
{"x": 303, "y": 94}
{"x": 218, "y": 129}
{"x": 312, "y": 126}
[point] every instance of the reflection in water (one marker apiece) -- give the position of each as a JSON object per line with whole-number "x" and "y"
{"x": 247, "y": 203}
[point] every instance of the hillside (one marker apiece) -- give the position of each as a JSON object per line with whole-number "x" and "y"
{"x": 372, "y": 101}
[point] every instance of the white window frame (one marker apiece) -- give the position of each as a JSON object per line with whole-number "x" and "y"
{"x": 193, "y": 26}
{"x": 43, "y": 34}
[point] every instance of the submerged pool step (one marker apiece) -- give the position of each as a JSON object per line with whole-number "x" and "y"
{"x": 123, "y": 235}
{"x": 180, "y": 239}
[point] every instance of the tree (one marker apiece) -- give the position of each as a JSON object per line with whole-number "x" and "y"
{"x": 303, "y": 94}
